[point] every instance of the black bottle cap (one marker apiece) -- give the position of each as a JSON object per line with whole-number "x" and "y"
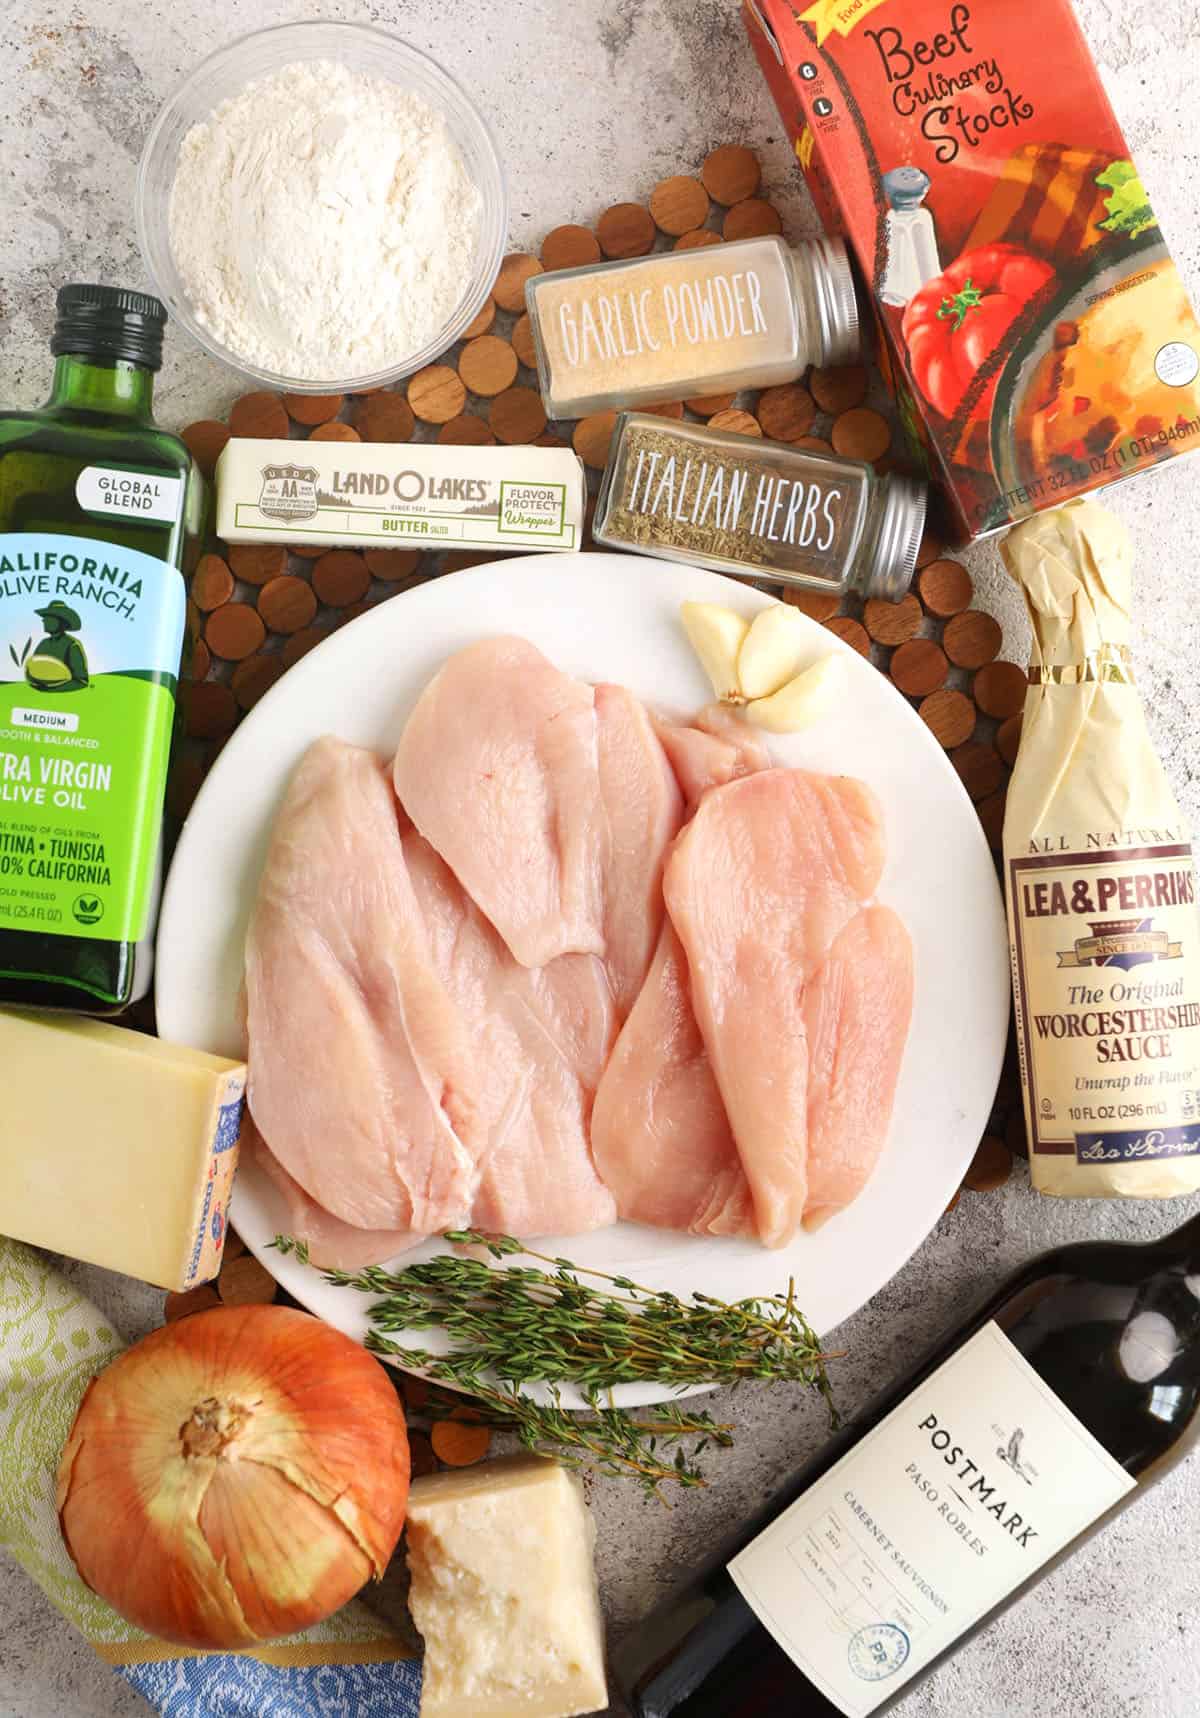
{"x": 109, "y": 322}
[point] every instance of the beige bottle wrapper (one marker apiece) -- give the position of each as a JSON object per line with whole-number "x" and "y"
{"x": 1104, "y": 932}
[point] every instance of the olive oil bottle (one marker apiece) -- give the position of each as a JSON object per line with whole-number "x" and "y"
{"x": 99, "y": 511}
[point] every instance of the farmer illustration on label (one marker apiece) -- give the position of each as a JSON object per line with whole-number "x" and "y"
{"x": 59, "y": 662}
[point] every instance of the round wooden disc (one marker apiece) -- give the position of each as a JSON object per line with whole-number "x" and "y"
{"x": 260, "y": 415}
{"x": 679, "y": 205}
{"x": 212, "y": 583}
{"x": 211, "y": 710}
{"x": 234, "y": 631}
{"x": 184, "y": 1303}
{"x": 487, "y": 366}
{"x": 481, "y": 322}
{"x": 999, "y": 689}
{"x": 741, "y": 423}
{"x": 990, "y": 1167}
{"x": 892, "y": 622}
{"x": 731, "y": 173}
{"x": 306, "y": 551}
{"x": 852, "y": 631}
{"x": 979, "y": 768}
{"x": 522, "y": 343}
{"x": 466, "y": 430}
{"x": 255, "y": 563}
{"x": 861, "y": 433}
{"x": 592, "y": 437}
{"x": 708, "y": 405}
{"x": 698, "y": 240}
{"x": 436, "y": 393}
{"x": 972, "y": 638}
{"x": 625, "y": 230}
{"x": 930, "y": 549}
{"x": 384, "y": 416}
{"x": 201, "y": 660}
{"x": 945, "y": 588}
{"x": 393, "y": 566}
{"x": 335, "y": 431}
{"x": 668, "y": 409}
{"x": 340, "y": 578}
{"x": 287, "y": 604}
{"x": 205, "y": 440}
{"x": 919, "y": 667}
{"x": 570, "y": 247}
{"x": 1008, "y": 738}
{"x": 244, "y": 1282}
{"x": 991, "y": 815}
{"x": 255, "y": 677}
{"x": 517, "y": 416}
{"x": 192, "y": 619}
{"x": 300, "y": 643}
{"x": 515, "y": 270}
{"x": 840, "y": 388}
{"x": 752, "y": 219}
{"x": 814, "y": 444}
{"x": 817, "y": 605}
{"x": 313, "y": 408}
{"x": 949, "y": 715}
{"x": 786, "y": 413}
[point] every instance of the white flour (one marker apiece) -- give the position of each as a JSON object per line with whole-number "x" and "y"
{"x": 323, "y": 222}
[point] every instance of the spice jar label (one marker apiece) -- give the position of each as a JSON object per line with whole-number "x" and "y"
{"x": 90, "y": 634}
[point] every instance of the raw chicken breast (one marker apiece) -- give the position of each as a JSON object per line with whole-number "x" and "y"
{"x": 332, "y": 1245}
{"x": 758, "y": 885}
{"x": 660, "y": 1134}
{"x": 361, "y": 1075}
{"x": 498, "y": 769}
{"x": 644, "y": 810}
{"x": 856, "y": 1013}
{"x": 716, "y": 748}
{"x": 539, "y": 1037}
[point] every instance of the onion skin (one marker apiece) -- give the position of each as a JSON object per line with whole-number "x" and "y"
{"x": 235, "y": 1477}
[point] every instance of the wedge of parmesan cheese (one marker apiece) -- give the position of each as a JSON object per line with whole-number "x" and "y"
{"x": 504, "y": 1592}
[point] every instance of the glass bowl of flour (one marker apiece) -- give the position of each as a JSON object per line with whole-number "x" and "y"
{"x": 322, "y": 207}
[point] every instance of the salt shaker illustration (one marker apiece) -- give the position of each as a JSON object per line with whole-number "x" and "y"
{"x": 912, "y": 256}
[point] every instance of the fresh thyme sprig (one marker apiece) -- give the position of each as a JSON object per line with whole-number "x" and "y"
{"x": 526, "y": 1324}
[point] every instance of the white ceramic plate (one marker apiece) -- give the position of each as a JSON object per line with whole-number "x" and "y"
{"x": 615, "y": 617}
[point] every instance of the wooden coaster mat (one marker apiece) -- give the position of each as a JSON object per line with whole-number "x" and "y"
{"x": 253, "y": 611}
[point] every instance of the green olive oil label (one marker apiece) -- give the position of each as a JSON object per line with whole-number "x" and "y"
{"x": 91, "y": 635}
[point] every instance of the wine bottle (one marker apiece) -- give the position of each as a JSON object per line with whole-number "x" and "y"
{"x": 1020, "y": 1435}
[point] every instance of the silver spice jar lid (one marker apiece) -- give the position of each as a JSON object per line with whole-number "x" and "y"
{"x": 836, "y": 302}
{"x": 892, "y": 556}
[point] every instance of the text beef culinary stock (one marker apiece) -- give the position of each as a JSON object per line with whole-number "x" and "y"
{"x": 1035, "y": 331}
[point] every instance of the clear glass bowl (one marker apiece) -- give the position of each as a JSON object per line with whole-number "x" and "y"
{"x": 364, "y": 49}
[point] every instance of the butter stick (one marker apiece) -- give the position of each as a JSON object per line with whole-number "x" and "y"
{"x": 406, "y": 495}
{"x": 117, "y": 1149}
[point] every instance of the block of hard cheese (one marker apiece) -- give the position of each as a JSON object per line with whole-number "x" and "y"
{"x": 115, "y": 1147}
{"x": 504, "y": 1592}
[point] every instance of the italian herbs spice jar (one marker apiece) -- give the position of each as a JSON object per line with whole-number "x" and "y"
{"x": 710, "y": 320}
{"x": 760, "y": 508}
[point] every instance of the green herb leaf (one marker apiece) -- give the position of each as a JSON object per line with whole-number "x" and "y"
{"x": 1128, "y": 205}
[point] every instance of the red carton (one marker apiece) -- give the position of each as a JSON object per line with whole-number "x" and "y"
{"x": 1036, "y": 332}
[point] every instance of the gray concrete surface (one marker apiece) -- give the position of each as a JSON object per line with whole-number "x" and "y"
{"x": 593, "y": 100}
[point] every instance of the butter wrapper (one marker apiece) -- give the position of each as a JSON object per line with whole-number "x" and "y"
{"x": 405, "y": 495}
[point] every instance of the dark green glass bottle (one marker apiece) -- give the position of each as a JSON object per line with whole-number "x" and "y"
{"x": 99, "y": 520}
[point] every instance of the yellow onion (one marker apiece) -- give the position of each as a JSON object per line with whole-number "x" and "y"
{"x": 235, "y": 1477}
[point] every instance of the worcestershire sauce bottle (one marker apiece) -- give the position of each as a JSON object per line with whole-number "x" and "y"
{"x": 97, "y": 508}
{"x": 1073, "y": 1389}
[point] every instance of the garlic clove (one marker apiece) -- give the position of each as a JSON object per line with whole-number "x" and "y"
{"x": 716, "y": 634}
{"x": 803, "y": 700}
{"x": 772, "y": 651}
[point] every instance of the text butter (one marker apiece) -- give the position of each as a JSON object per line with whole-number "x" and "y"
{"x": 119, "y": 1149}
{"x": 408, "y": 495}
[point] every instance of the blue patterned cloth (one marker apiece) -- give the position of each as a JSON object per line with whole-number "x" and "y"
{"x": 53, "y": 1341}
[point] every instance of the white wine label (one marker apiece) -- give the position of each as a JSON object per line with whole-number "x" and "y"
{"x": 1106, "y": 976}
{"x": 954, "y": 1500}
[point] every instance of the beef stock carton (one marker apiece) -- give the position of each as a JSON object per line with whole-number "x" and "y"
{"x": 1034, "y": 329}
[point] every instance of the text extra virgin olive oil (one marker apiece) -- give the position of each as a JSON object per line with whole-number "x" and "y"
{"x": 1075, "y": 1387}
{"x": 98, "y": 508}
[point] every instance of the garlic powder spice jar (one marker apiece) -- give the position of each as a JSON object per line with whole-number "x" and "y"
{"x": 710, "y": 320}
